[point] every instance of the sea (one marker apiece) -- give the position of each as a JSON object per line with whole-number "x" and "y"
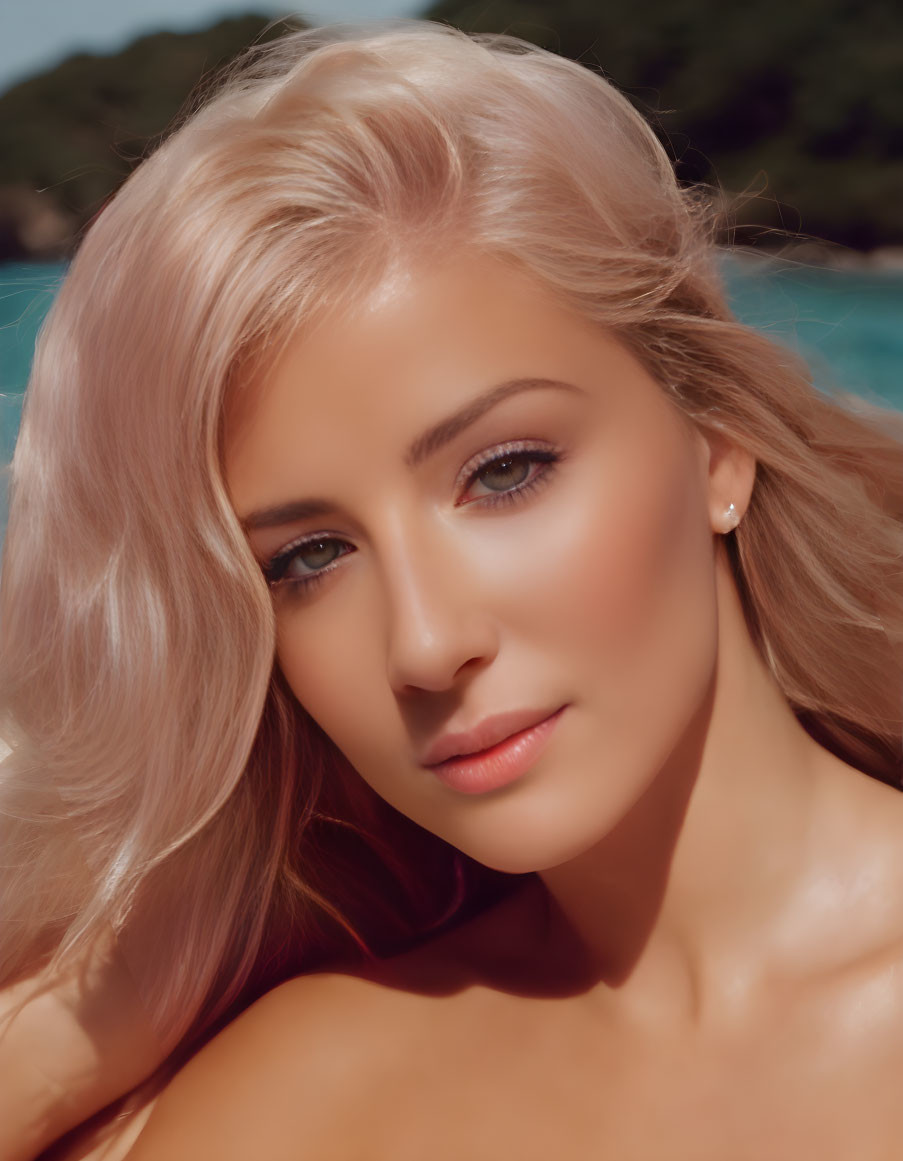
{"x": 848, "y": 323}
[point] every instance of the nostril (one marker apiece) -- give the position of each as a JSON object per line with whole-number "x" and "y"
{"x": 437, "y": 660}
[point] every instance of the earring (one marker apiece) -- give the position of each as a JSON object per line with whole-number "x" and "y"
{"x": 732, "y": 517}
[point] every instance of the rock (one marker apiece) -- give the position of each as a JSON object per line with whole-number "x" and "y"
{"x": 33, "y": 225}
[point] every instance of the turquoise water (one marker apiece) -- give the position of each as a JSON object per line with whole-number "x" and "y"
{"x": 849, "y": 324}
{"x": 26, "y": 292}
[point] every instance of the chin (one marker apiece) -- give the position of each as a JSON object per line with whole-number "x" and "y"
{"x": 539, "y": 839}
{"x": 532, "y": 857}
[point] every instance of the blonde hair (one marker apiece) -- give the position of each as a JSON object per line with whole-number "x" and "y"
{"x": 162, "y": 778}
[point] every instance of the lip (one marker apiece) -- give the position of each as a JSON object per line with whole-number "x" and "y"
{"x": 486, "y": 733}
{"x": 496, "y": 752}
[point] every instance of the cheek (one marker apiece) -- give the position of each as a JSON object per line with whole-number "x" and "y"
{"x": 627, "y": 631}
{"x": 621, "y": 614}
{"x": 647, "y": 593}
{"x": 331, "y": 665}
{"x": 619, "y": 570}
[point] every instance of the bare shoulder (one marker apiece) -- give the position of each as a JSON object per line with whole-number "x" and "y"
{"x": 310, "y": 1069}
{"x": 287, "y": 1079}
{"x": 858, "y": 907}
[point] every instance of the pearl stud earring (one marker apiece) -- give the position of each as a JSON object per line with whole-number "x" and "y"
{"x": 732, "y": 517}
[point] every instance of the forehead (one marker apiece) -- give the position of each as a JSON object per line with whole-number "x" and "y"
{"x": 425, "y": 343}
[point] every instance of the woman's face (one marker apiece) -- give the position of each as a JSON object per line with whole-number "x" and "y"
{"x": 480, "y": 514}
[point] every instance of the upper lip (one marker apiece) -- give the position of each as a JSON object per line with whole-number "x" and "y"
{"x": 489, "y": 732}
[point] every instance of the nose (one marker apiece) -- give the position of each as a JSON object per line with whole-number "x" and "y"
{"x": 439, "y": 624}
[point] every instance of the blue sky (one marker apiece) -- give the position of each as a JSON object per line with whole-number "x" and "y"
{"x": 37, "y": 33}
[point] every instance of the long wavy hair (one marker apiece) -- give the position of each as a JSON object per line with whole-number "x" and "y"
{"x": 162, "y": 780}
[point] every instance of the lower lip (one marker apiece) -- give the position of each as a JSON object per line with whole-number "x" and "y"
{"x": 501, "y": 764}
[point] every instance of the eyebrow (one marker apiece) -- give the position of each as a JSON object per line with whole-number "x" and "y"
{"x": 446, "y": 430}
{"x": 420, "y": 450}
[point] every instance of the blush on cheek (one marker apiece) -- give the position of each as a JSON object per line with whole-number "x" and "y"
{"x": 332, "y": 664}
{"x": 642, "y": 598}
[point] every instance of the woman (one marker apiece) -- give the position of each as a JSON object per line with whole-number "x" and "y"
{"x": 421, "y": 594}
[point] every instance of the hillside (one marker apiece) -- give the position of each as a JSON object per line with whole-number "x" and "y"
{"x": 801, "y": 101}
{"x": 801, "y": 104}
{"x": 69, "y": 136}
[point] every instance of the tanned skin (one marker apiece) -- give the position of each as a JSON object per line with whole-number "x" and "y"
{"x": 706, "y": 963}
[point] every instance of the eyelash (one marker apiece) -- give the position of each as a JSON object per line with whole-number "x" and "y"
{"x": 274, "y": 569}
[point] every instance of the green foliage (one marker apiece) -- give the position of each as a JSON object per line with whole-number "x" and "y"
{"x": 77, "y": 130}
{"x": 801, "y": 100}
{"x": 807, "y": 95}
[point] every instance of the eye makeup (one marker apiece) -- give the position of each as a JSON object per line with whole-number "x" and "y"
{"x": 506, "y": 460}
{"x": 520, "y": 467}
{"x": 318, "y": 546}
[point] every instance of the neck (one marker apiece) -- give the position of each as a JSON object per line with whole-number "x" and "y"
{"x": 687, "y": 903}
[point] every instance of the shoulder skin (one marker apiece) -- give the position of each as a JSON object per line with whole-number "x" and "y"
{"x": 287, "y": 1080}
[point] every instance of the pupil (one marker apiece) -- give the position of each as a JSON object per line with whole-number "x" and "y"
{"x": 319, "y": 554}
{"x": 506, "y": 473}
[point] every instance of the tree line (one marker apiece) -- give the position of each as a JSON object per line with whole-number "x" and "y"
{"x": 799, "y": 104}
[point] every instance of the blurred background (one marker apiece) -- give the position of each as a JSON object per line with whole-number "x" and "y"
{"x": 794, "y": 112}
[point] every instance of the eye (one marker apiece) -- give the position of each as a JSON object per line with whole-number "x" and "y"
{"x": 306, "y": 561}
{"x": 508, "y": 473}
{"x": 503, "y": 474}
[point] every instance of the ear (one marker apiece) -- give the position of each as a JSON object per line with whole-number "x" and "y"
{"x": 730, "y": 475}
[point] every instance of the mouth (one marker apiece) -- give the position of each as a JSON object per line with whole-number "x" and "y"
{"x": 498, "y": 751}
{"x": 483, "y": 736}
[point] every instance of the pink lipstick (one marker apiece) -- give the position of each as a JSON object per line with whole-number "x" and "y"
{"x": 498, "y": 764}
